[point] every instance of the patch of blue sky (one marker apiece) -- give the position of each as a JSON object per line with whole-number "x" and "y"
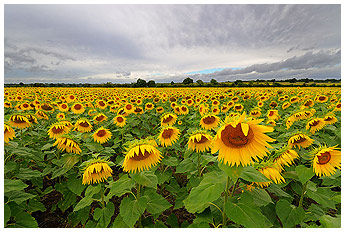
{"x": 212, "y": 70}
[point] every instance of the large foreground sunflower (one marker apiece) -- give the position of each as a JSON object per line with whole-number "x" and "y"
{"x": 97, "y": 170}
{"x": 141, "y": 155}
{"x": 19, "y": 121}
{"x": 168, "y": 135}
{"x": 240, "y": 140}
{"x": 200, "y": 141}
{"x": 326, "y": 160}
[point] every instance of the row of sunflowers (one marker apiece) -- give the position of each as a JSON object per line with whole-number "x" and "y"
{"x": 139, "y": 157}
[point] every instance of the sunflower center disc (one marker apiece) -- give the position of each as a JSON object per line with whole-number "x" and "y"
{"x": 167, "y": 133}
{"x": 101, "y": 103}
{"x": 168, "y": 119}
{"x": 84, "y": 124}
{"x": 328, "y": 119}
{"x": 308, "y": 103}
{"x": 77, "y": 107}
{"x": 18, "y": 121}
{"x": 100, "y": 118}
{"x": 300, "y": 140}
{"x": 57, "y": 130}
{"x": 119, "y": 119}
{"x": 324, "y": 158}
{"x": 141, "y": 156}
{"x": 101, "y": 133}
{"x": 202, "y": 140}
{"x": 322, "y": 98}
{"x": 63, "y": 106}
{"x": 128, "y": 107}
{"x": 46, "y": 107}
{"x": 209, "y": 120}
{"x": 271, "y": 113}
{"x": 314, "y": 123}
{"x": 234, "y": 137}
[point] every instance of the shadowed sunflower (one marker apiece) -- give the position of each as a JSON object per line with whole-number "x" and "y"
{"x": 57, "y": 130}
{"x": 141, "y": 155}
{"x": 83, "y": 125}
{"x": 100, "y": 118}
{"x": 284, "y": 157}
{"x": 240, "y": 140}
{"x": 64, "y": 143}
{"x": 315, "y": 124}
{"x": 78, "y": 108}
{"x": 102, "y": 135}
{"x": 168, "y": 119}
{"x": 300, "y": 140}
{"x": 200, "y": 141}
{"x": 271, "y": 173}
{"x": 19, "y": 121}
{"x": 330, "y": 119}
{"x": 96, "y": 171}
{"x": 119, "y": 121}
{"x": 209, "y": 121}
{"x": 47, "y": 107}
{"x": 9, "y": 133}
{"x": 168, "y": 136}
{"x": 326, "y": 160}
{"x": 31, "y": 118}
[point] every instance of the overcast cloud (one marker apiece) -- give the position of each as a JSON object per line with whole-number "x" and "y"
{"x": 121, "y": 43}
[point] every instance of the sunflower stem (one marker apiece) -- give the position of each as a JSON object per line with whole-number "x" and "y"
{"x": 300, "y": 203}
{"x": 102, "y": 196}
{"x": 199, "y": 168}
{"x": 225, "y": 200}
{"x": 138, "y": 197}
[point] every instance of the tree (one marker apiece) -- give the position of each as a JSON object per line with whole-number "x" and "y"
{"x": 151, "y": 83}
{"x": 141, "y": 83}
{"x": 188, "y": 81}
{"x": 172, "y": 83}
{"x": 214, "y": 82}
{"x": 200, "y": 82}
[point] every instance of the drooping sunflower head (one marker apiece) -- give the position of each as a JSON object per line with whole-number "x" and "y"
{"x": 270, "y": 171}
{"x": 19, "y": 121}
{"x": 255, "y": 113}
{"x": 96, "y": 171}
{"x": 57, "y": 130}
{"x": 300, "y": 140}
{"x": 240, "y": 140}
{"x": 209, "y": 121}
{"x": 286, "y": 105}
{"x": 160, "y": 110}
{"x": 47, "y": 107}
{"x": 200, "y": 141}
{"x": 326, "y": 160}
{"x": 31, "y": 118}
{"x": 238, "y": 107}
{"x": 66, "y": 143}
{"x": 138, "y": 110}
{"x": 83, "y": 125}
{"x": 315, "y": 124}
{"x": 101, "y": 135}
{"x": 285, "y": 156}
{"x": 168, "y": 119}
{"x": 119, "y": 121}
{"x": 168, "y": 136}
{"x": 329, "y": 119}
{"x": 141, "y": 155}
{"x": 100, "y": 118}
{"x": 9, "y": 133}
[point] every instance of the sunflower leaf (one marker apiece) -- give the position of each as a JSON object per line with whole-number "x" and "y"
{"x": 249, "y": 173}
{"x": 131, "y": 209}
{"x": 330, "y": 222}
{"x": 86, "y": 201}
{"x": 304, "y": 174}
{"x": 233, "y": 172}
{"x": 13, "y": 185}
{"x": 121, "y": 186}
{"x": 288, "y": 214}
{"x": 146, "y": 178}
{"x": 157, "y": 204}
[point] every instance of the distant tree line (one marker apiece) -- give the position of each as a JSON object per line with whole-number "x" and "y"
{"x": 189, "y": 82}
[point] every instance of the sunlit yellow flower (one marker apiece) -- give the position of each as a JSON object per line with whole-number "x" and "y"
{"x": 168, "y": 119}
{"x": 9, "y": 133}
{"x": 326, "y": 160}
{"x": 168, "y": 136}
{"x": 271, "y": 173}
{"x": 63, "y": 107}
{"x": 19, "y": 121}
{"x": 60, "y": 116}
{"x": 330, "y": 119}
{"x": 119, "y": 121}
{"x": 100, "y": 118}
{"x": 64, "y": 143}
{"x": 101, "y": 135}
{"x": 209, "y": 121}
{"x": 200, "y": 141}
{"x": 315, "y": 124}
{"x": 285, "y": 157}
{"x": 300, "y": 140}
{"x": 78, "y": 108}
{"x": 57, "y": 130}
{"x": 83, "y": 125}
{"x": 96, "y": 171}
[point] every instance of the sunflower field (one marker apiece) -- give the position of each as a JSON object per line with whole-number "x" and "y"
{"x": 167, "y": 157}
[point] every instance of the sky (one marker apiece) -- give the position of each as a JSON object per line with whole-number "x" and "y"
{"x": 164, "y": 43}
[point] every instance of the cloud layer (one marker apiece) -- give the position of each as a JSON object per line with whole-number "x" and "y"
{"x": 120, "y": 43}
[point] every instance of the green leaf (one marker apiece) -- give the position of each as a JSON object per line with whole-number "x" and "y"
{"x": 304, "y": 174}
{"x": 156, "y": 204}
{"x": 146, "y": 178}
{"x": 35, "y": 205}
{"x": 273, "y": 188}
{"x": 86, "y": 201}
{"x": 119, "y": 223}
{"x": 250, "y": 174}
{"x": 186, "y": 165}
{"x": 131, "y": 209}
{"x": 13, "y": 185}
{"x": 46, "y": 146}
{"x": 121, "y": 186}
{"x": 75, "y": 185}
{"x": 330, "y": 222}
{"x": 337, "y": 198}
{"x": 260, "y": 197}
{"x": 246, "y": 215}
{"x": 103, "y": 216}
{"x": 288, "y": 214}
{"x": 7, "y": 213}
{"x": 170, "y": 161}
{"x": 323, "y": 197}
{"x": 233, "y": 172}
{"x": 25, "y": 220}
{"x": 10, "y": 166}
{"x": 92, "y": 190}
{"x": 27, "y": 173}
{"x": 19, "y": 196}
{"x": 209, "y": 190}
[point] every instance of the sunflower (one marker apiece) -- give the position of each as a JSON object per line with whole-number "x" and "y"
{"x": 273, "y": 114}
{"x": 63, "y": 107}
{"x": 141, "y": 155}
{"x": 67, "y": 123}
{"x": 184, "y": 110}
{"x": 119, "y": 121}
{"x": 179, "y": 122}
{"x": 294, "y": 99}
{"x": 300, "y": 140}
{"x": 330, "y": 119}
{"x": 271, "y": 173}
{"x": 240, "y": 140}
{"x": 83, "y": 125}
{"x": 138, "y": 110}
{"x": 238, "y": 107}
{"x": 260, "y": 104}
{"x": 337, "y": 107}
{"x": 25, "y": 106}
{"x": 101, "y": 104}
{"x": 100, "y": 118}
{"x": 315, "y": 124}
{"x": 273, "y": 104}
{"x": 308, "y": 103}
{"x": 149, "y": 106}
{"x": 200, "y": 141}
{"x": 92, "y": 112}
{"x": 129, "y": 108}
{"x": 7, "y": 104}
{"x": 271, "y": 122}
{"x": 96, "y": 171}
{"x": 78, "y": 108}
{"x": 60, "y": 116}
{"x": 321, "y": 99}
{"x": 326, "y": 160}
{"x": 285, "y": 157}
{"x": 102, "y": 135}
{"x": 19, "y": 121}
{"x": 160, "y": 110}
{"x": 209, "y": 121}
{"x": 168, "y": 136}
{"x": 64, "y": 143}
{"x": 47, "y": 107}
{"x": 286, "y": 105}
{"x": 31, "y": 118}
{"x": 57, "y": 130}
{"x": 168, "y": 119}
{"x": 215, "y": 110}
{"x": 255, "y": 113}
{"x": 9, "y": 133}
